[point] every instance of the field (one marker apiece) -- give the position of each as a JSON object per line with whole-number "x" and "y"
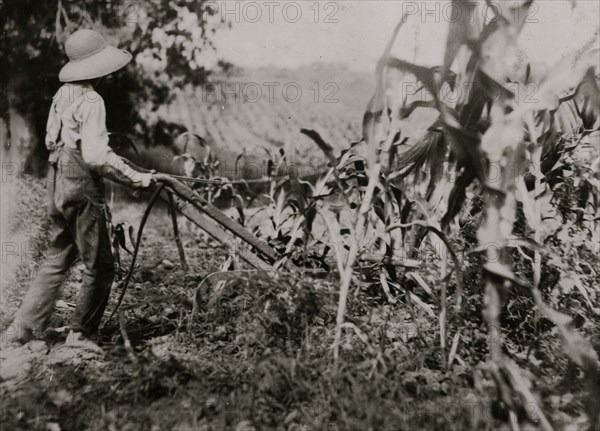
{"x": 259, "y": 352}
{"x": 263, "y": 110}
{"x": 440, "y": 272}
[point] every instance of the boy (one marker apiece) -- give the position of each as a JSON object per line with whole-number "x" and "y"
{"x": 77, "y": 139}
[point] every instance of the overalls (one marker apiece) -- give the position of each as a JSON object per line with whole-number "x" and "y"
{"x": 79, "y": 229}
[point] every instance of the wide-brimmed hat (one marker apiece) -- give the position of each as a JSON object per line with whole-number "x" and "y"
{"x": 91, "y": 57}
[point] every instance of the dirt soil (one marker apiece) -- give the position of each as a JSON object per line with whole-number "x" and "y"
{"x": 258, "y": 357}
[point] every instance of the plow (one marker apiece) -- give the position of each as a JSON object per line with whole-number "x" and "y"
{"x": 182, "y": 200}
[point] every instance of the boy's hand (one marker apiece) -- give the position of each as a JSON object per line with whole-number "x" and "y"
{"x": 147, "y": 180}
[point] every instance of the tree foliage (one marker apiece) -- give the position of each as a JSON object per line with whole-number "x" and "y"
{"x": 170, "y": 42}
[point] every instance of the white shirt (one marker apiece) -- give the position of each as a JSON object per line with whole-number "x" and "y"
{"x": 82, "y": 113}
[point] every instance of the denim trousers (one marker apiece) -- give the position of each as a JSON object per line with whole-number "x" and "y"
{"x": 78, "y": 230}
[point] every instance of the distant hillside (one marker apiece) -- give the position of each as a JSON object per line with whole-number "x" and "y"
{"x": 264, "y": 109}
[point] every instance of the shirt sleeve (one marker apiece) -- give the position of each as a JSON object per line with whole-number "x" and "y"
{"x": 95, "y": 149}
{"x": 52, "y": 127}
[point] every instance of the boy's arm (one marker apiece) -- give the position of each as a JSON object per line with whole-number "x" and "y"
{"x": 98, "y": 155}
{"x": 52, "y": 132}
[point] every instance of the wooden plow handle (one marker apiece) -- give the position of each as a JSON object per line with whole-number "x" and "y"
{"x": 194, "y": 207}
{"x": 189, "y": 198}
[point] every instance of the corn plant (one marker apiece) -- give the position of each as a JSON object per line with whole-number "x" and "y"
{"x": 490, "y": 153}
{"x": 486, "y": 132}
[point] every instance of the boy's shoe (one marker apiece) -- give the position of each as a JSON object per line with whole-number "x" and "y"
{"x": 77, "y": 340}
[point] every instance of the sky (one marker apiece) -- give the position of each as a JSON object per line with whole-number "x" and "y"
{"x": 297, "y": 33}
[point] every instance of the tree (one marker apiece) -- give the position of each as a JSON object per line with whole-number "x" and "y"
{"x": 170, "y": 42}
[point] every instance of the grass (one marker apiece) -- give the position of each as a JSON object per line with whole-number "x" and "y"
{"x": 24, "y": 238}
{"x": 258, "y": 355}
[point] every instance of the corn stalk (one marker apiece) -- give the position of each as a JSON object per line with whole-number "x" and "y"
{"x": 348, "y": 267}
{"x": 491, "y": 53}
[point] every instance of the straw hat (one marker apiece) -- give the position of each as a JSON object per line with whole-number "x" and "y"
{"x": 91, "y": 57}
